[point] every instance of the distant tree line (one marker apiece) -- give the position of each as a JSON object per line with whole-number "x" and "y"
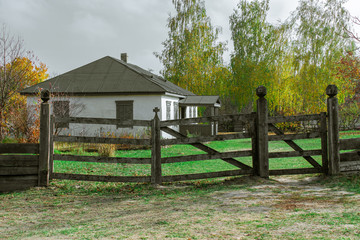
{"x": 295, "y": 59}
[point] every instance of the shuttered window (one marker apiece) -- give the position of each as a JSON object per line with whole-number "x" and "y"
{"x": 124, "y": 111}
{"x": 61, "y": 110}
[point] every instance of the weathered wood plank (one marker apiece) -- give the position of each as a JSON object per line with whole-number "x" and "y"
{"x": 350, "y": 166}
{"x": 304, "y": 153}
{"x": 16, "y": 161}
{"x": 102, "y": 140}
{"x": 333, "y": 130}
{"x": 99, "y": 178}
{"x": 294, "y": 136}
{"x": 44, "y": 139}
{"x": 11, "y": 171}
{"x": 349, "y": 144}
{"x": 262, "y": 137}
{"x": 235, "y": 117}
{"x": 294, "y": 171}
{"x": 350, "y": 156}
{"x": 14, "y": 183}
{"x": 307, "y": 117}
{"x": 19, "y": 148}
{"x": 98, "y": 159}
{"x": 20, "y": 157}
{"x": 156, "y": 171}
{"x": 195, "y": 176}
{"x": 294, "y": 146}
{"x": 206, "y": 149}
{"x": 201, "y": 157}
{"x": 324, "y": 139}
{"x": 104, "y": 121}
{"x": 185, "y": 140}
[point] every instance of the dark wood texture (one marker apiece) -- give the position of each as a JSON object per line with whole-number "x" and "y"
{"x": 107, "y": 140}
{"x": 262, "y": 138}
{"x": 19, "y": 148}
{"x": 44, "y": 154}
{"x": 333, "y": 135}
{"x": 324, "y": 138}
{"x": 305, "y": 153}
{"x": 13, "y": 183}
{"x": 99, "y": 178}
{"x": 298, "y": 118}
{"x": 294, "y": 171}
{"x": 201, "y": 157}
{"x": 350, "y": 144}
{"x": 350, "y": 166}
{"x": 350, "y": 156}
{"x": 99, "y": 159}
{"x": 155, "y": 149}
{"x": 195, "y": 176}
{"x": 104, "y": 121}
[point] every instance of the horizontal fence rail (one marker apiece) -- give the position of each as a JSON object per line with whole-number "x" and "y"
{"x": 299, "y": 118}
{"x": 100, "y": 178}
{"x": 185, "y": 121}
{"x": 186, "y": 140}
{"x": 100, "y": 159}
{"x": 104, "y": 121}
{"x": 105, "y": 140}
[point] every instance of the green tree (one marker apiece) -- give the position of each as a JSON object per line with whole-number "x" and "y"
{"x": 192, "y": 54}
{"x": 320, "y": 41}
{"x": 258, "y": 46}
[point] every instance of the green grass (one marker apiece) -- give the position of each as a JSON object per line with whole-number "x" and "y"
{"x": 192, "y": 166}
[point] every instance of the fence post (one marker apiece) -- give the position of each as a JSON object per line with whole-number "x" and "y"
{"x": 333, "y": 130}
{"x": 155, "y": 149}
{"x": 44, "y": 155}
{"x": 262, "y": 166}
{"x": 324, "y": 140}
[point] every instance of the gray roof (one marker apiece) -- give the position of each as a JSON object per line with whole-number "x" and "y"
{"x": 108, "y": 75}
{"x": 201, "y": 101}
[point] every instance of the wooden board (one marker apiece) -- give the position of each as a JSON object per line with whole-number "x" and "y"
{"x": 19, "y": 160}
{"x": 349, "y": 144}
{"x": 99, "y": 159}
{"x": 186, "y": 140}
{"x": 201, "y": 157}
{"x": 19, "y": 148}
{"x": 294, "y": 171}
{"x": 99, "y": 178}
{"x": 307, "y": 117}
{"x": 304, "y": 153}
{"x": 13, "y": 183}
{"x": 195, "y": 176}
{"x": 186, "y": 121}
{"x": 350, "y": 166}
{"x": 103, "y": 121}
{"x": 102, "y": 140}
{"x": 286, "y": 137}
{"x": 20, "y": 171}
{"x": 350, "y": 156}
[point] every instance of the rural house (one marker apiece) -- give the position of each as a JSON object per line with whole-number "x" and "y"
{"x": 113, "y": 88}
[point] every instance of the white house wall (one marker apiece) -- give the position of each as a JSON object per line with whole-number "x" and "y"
{"x": 105, "y": 107}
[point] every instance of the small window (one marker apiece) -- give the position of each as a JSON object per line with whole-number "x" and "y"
{"x": 124, "y": 111}
{"x": 61, "y": 110}
{"x": 176, "y": 110}
{"x": 168, "y": 110}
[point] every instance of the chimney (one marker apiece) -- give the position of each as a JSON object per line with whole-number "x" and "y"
{"x": 124, "y": 57}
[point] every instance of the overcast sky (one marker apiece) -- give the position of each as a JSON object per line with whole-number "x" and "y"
{"x": 66, "y": 34}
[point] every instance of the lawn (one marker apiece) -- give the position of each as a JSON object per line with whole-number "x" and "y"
{"x": 245, "y": 207}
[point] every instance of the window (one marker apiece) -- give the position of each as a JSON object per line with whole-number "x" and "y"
{"x": 176, "y": 110}
{"x": 61, "y": 110}
{"x": 194, "y": 112}
{"x": 168, "y": 110}
{"x": 124, "y": 111}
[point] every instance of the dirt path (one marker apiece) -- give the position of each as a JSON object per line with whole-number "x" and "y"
{"x": 245, "y": 208}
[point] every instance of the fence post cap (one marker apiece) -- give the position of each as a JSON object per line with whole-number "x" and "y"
{"x": 261, "y": 91}
{"x": 45, "y": 95}
{"x": 331, "y": 90}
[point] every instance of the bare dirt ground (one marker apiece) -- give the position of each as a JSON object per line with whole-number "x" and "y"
{"x": 241, "y": 208}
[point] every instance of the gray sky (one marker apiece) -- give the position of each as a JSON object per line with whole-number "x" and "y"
{"x": 66, "y": 34}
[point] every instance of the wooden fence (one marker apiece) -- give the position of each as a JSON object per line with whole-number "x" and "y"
{"x": 258, "y": 127}
{"x": 26, "y": 165}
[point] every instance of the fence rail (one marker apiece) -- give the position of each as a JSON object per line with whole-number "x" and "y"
{"x": 103, "y": 121}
